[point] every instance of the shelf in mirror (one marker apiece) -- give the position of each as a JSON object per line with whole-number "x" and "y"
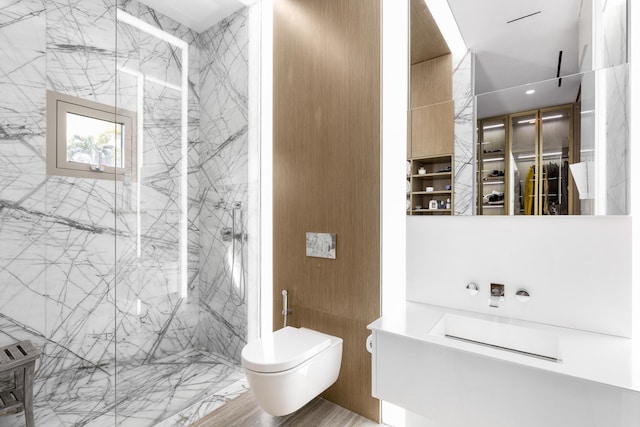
{"x": 431, "y": 183}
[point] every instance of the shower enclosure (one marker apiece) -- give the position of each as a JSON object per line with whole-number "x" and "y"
{"x": 132, "y": 277}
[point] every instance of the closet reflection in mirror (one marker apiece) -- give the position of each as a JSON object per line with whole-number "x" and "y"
{"x": 523, "y": 163}
{"x": 566, "y": 158}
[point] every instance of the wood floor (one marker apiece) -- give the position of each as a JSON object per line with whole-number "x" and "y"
{"x": 245, "y": 412}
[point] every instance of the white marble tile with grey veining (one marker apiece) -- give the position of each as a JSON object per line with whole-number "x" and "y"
{"x": 223, "y": 179}
{"x": 192, "y": 380}
{"x": 614, "y": 33}
{"x": 205, "y": 406}
{"x": 617, "y": 139}
{"x": 464, "y": 136}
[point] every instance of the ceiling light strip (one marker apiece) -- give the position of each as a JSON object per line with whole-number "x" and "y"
{"x": 448, "y": 26}
{"x": 532, "y": 121}
{"x": 127, "y": 18}
{"x": 531, "y": 156}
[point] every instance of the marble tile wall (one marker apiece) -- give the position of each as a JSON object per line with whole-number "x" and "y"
{"x": 464, "y": 139}
{"x": 617, "y": 139}
{"x": 585, "y": 36}
{"x": 614, "y": 53}
{"x": 70, "y": 277}
{"x": 614, "y": 47}
{"x": 166, "y": 323}
{"x": 57, "y": 261}
{"x": 24, "y": 221}
{"x": 614, "y": 32}
{"x": 223, "y": 177}
{"x": 605, "y": 102}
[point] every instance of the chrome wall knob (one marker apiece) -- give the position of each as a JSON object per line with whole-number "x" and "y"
{"x": 473, "y": 289}
{"x": 522, "y": 295}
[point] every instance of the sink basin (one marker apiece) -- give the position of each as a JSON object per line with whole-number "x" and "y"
{"x": 503, "y": 336}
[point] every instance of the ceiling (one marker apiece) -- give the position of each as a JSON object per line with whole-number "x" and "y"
{"x": 525, "y": 50}
{"x": 198, "y": 15}
{"x": 513, "y": 100}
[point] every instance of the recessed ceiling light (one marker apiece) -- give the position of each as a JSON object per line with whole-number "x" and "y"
{"x": 530, "y": 91}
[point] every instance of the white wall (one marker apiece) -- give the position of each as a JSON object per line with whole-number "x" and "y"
{"x": 395, "y": 75}
{"x": 576, "y": 268}
{"x": 266, "y": 167}
{"x": 634, "y": 52}
{"x": 395, "y": 72}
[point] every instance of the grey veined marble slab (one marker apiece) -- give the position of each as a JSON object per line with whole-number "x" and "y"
{"x": 183, "y": 386}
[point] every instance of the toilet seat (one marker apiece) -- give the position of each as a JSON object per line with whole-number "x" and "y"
{"x": 284, "y": 349}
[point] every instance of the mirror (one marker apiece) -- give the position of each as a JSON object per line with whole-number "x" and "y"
{"x": 543, "y": 87}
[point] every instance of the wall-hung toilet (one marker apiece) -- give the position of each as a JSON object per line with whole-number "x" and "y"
{"x": 291, "y": 366}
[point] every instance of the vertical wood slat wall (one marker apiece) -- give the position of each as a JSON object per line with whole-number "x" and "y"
{"x": 432, "y": 108}
{"x": 326, "y": 178}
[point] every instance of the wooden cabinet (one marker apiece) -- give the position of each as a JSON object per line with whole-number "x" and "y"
{"x": 430, "y": 186}
{"x": 431, "y": 82}
{"x": 492, "y": 172}
{"x": 431, "y": 117}
{"x": 523, "y": 163}
{"x": 432, "y": 130}
{"x": 541, "y": 143}
{"x": 430, "y": 142}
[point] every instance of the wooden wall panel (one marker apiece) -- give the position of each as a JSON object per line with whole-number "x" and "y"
{"x": 409, "y": 155}
{"x": 427, "y": 41}
{"x": 326, "y": 151}
{"x": 431, "y": 82}
{"x": 432, "y": 130}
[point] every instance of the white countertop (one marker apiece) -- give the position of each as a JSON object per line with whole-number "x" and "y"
{"x": 590, "y": 356}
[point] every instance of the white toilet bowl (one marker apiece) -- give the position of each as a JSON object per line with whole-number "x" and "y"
{"x": 291, "y": 366}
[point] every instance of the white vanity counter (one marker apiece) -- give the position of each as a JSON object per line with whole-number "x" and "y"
{"x": 604, "y": 359}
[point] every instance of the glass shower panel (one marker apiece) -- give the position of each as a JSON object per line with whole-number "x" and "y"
{"x": 28, "y": 223}
{"x": 523, "y": 159}
{"x": 157, "y": 309}
{"x": 80, "y": 41}
{"x": 555, "y": 151}
{"x": 181, "y": 284}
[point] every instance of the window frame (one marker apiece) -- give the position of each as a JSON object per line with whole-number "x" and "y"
{"x": 58, "y": 105}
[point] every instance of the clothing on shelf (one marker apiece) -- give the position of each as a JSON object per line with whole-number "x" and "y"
{"x": 493, "y": 198}
{"x": 554, "y": 199}
{"x": 564, "y": 190}
{"x": 529, "y": 188}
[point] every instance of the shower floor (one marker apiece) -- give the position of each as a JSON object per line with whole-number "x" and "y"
{"x": 169, "y": 392}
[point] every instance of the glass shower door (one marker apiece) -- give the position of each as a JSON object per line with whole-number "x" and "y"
{"x": 182, "y": 255}
{"x": 156, "y": 259}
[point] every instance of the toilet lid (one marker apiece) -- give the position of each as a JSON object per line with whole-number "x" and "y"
{"x": 283, "y": 349}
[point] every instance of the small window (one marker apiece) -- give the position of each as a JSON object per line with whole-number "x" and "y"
{"x": 87, "y": 139}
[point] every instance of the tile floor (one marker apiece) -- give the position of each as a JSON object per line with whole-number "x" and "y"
{"x": 169, "y": 392}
